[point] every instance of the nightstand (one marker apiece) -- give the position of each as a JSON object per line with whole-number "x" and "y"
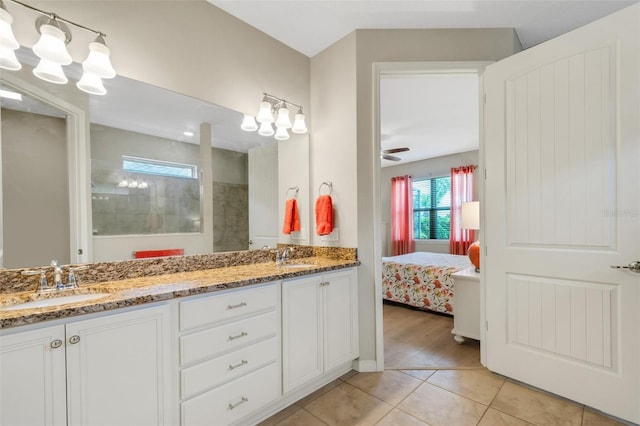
{"x": 466, "y": 308}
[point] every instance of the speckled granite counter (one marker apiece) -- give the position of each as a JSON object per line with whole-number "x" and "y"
{"x": 141, "y": 290}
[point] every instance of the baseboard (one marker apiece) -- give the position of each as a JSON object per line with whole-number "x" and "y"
{"x": 365, "y": 366}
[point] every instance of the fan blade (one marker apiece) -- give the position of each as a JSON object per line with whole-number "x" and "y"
{"x": 395, "y": 150}
{"x": 390, "y": 157}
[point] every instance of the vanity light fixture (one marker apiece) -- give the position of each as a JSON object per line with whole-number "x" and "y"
{"x": 270, "y": 106}
{"x": 51, "y": 48}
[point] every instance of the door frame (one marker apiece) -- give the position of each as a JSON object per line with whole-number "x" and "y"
{"x": 381, "y": 69}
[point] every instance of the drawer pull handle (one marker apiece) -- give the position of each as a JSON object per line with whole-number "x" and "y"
{"x": 244, "y": 333}
{"x": 240, "y": 364}
{"x": 242, "y": 401}
{"x": 239, "y": 305}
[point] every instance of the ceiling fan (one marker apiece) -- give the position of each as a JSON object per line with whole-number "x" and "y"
{"x": 386, "y": 153}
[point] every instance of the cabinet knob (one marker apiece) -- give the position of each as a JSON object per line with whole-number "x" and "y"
{"x": 74, "y": 339}
{"x": 56, "y": 344}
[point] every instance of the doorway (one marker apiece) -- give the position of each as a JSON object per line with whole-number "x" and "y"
{"x": 421, "y": 133}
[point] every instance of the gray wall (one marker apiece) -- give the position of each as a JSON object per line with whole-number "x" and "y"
{"x": 34, "y": 189}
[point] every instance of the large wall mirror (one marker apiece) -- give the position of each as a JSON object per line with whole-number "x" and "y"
{"x": 161, "y": 171}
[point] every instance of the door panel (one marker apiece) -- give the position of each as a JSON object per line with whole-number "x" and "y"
{"x": 561, "y": 205}
{"x": 263, "y": 196}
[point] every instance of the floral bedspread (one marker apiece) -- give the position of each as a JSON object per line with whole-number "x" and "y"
{"x": 422, "y": 286}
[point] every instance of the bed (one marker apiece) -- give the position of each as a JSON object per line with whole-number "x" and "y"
{"x": 422, "y": 279}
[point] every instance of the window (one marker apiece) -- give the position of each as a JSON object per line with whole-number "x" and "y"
{"x": 431, "y": 208}
{"x": 160, "y": 168}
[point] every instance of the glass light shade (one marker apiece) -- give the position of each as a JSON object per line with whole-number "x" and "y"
{"x": 123, "y": 183}
{"x": 299, "y": 125}
{"x": 281, "y": 134}
{"x": 7, "y": 39}
{"x": 249, "y": 123}
{"x": 98, "y": 62}
{"x": 8, "y": 59}
{"x": 51, "y": 45}
{"x": 283, "y": 120}
{"x": 470, "y": 215}
{"x": 264, "y": 115}
{"x": 266, "y": 129}
{"x": 50, "y": 71}
{"x": 91, "y": 84}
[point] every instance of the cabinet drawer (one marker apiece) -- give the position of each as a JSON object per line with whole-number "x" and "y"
{"x": 217, "y": 340}
{"x": 228, "y": 367}
{"x": 200, "y": 312}
{"x": 233, "y": 401}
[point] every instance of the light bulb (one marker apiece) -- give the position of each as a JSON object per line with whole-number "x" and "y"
{"x": 98, "y": 62}
{"x": 51, "y": 45}
{"x": 249, "y": 123}
{"x": 7, "y": 39}
{"x": 299, "y": 125}
{"x": 8, "y": 59}
{"x": 91, "y": 84}
{"x": 50, "y": 71}
{"x": 266, "y": 129}
{"x": 283, "y": 120}
{"x": 264, "y": 114}
{"x": 281, "y": 134}
{"x": 123, "y": 183}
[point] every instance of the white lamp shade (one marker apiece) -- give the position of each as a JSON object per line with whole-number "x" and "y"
{"x": 91, "y": 84}
{"x": 51, "y": 45}
{"x": 98, "y": 62}
{"x": 299, "y": 125}
{"x": 249, "y": 123}
{"x": 7, "y": 39}
{"x": 266, "y": 129}
{"x": 264, "y": 115}
{"x": 281, "y": 134}
{"x": 283, "y": 120}
{"x": 50, "y": 71}
{"x": 8, "y": 59}
{"x": 470, "y": 215}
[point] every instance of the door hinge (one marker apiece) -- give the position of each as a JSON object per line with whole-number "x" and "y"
{"x": 486, "y": 325}
{"x": 485, "y": 174}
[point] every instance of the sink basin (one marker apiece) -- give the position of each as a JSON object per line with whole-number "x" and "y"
{"x": 56, "y": 301}
{"x": 298, "y": 265}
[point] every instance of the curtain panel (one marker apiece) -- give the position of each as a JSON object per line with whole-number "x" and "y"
{"x": 401, "y": 216}
{"x": 461, "y": 192}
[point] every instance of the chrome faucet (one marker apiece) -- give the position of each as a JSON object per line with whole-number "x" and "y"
{"x": 58, "y": 285}
{"x": 282, "y": 256}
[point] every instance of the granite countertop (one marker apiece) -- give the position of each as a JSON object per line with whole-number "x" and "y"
{"x": 137, "y": 291}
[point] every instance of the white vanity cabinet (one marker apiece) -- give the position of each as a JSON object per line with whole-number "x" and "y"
{"x": 112, "y": 369}
{"x": 319, "y": 325}
{"x": 229, "y": 355}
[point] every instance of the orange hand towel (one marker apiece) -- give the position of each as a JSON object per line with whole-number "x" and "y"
{"x": 324, "y": 215}
{"x": 291, "y": 217}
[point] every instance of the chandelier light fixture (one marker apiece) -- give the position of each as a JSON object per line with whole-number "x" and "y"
{"x": 51, "y": 48}
{"x": 274, "y": 110}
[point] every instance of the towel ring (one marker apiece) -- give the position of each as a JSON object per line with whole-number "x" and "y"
{"x": 292, "y": 188}
{"x": 329, "y": 184}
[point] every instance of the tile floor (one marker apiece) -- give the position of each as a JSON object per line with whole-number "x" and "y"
{"x": 433, "y": 397}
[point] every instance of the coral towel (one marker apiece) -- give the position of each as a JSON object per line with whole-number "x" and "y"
{"x": 291, "y": 217}
{"x": 324, "y": 215}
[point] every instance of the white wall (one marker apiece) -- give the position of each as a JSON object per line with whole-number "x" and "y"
{"x": 430, "y": 168}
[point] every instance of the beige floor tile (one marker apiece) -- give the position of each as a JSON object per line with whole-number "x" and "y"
{"x": 279, "y": 416}
{"x": 390, "y": 386}
{"x": 419, "y": 374}
{"x": 437, "y": 406}
{"x": 536, "y": 407}
{"x": 472, "y": 384}
{"x": 301, "y": 417}
{"x": 399, "y": 418}
{"x": 318, "y": 393}
{"x": 496, "y": 418}
{"x": 593, "y": 418}
{"x": 347, "y": 405}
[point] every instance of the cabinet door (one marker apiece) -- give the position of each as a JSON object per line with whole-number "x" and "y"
{"x": 340, "y": 318}
{"x": 32, "y": 378}
{"x": 119, "y": 369}
{"x": 301, "y": 331}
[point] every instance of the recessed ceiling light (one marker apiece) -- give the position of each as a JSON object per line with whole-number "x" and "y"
{"x": 188, "y": 133}
{"x": 10, "y": 95}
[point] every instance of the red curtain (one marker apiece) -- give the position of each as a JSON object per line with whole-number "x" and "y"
{"x": 461, "y": 192}
{"x": 401, "y": 216}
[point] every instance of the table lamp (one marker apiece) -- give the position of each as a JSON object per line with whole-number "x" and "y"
{"x": 470, "y": 219}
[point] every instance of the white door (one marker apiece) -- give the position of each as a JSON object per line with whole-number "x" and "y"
{"x": 562, "y": 151}
{"x": 263, "y": 196}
